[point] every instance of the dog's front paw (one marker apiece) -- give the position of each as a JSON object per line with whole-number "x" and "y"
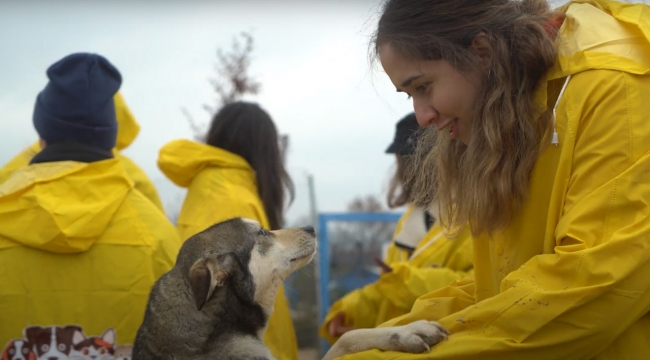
{"x": 417, "y": 337}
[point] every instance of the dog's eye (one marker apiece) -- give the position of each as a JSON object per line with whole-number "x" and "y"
{"x": 45, "y": 348}
{"x": 61, "y": 347}
{"x": 261, "y": 232}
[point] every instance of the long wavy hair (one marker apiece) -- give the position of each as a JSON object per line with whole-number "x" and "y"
{"x": 247, "y": 130}
{"x": 485, "y": 182}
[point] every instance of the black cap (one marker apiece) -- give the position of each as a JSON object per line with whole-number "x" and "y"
{"x": 404, "y": 143}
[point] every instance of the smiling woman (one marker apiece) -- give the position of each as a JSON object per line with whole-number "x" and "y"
{"x": 442, "y": 96}
{"x": 485, "y": 99}
{"x": 545, "y": 152}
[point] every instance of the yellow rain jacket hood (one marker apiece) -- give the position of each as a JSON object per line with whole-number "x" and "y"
{"x": 221, "y": 185}
{"x": 568, "y": 278}
{"x": 127, "y": 130}
{"x": 436, "y": 262}
{"x": 79, "y": 246}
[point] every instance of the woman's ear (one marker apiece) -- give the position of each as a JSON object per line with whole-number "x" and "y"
{"x": 482, "y": 48}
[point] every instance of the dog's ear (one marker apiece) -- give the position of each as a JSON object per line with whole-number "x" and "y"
{"x": 207, "y": 274}
{"x": 31, "y": 333}
{"x": 77, "y": 337}
{"x": 109, "y": 336}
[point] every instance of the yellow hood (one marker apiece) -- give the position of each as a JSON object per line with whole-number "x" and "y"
{"x": 599, "y": 34}
{"x": 34, "y": 215}
{"x": 182, "y": 160}
{"x": 127, "y": 127}
{"x": 606, "y": 35}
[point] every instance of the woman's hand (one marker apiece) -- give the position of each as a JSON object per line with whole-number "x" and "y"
{"x": 336, "y": 327}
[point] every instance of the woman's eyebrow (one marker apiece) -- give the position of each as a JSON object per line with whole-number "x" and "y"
{"x": 408, "y": 81}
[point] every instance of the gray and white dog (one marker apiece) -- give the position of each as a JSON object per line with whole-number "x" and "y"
{"x": 215, "y": 302}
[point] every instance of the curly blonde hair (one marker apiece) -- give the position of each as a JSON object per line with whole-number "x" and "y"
{"x": 485, "y": 182}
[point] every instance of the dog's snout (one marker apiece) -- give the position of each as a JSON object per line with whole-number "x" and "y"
{"x": 309, "y": 229}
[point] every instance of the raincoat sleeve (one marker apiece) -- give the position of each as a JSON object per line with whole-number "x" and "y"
{"x": 406, "y": 282}
{"x": 361, "y": 308}
{"x": 577, "y": 299}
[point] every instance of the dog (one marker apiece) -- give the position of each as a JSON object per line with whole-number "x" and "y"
{"x": 51, "y": 342}
{"x": 93, "y": 347}
{"x": 215, "y": 302}
{"x": 18, "y": 350}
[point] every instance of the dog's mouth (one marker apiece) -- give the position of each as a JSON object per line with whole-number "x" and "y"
{"x": 302, "y": 256}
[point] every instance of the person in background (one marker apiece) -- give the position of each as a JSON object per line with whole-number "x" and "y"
{"x": 127, "y": 130}
{"x": 420, "y": 258}
{"x": 80, "y": 247}
{"x": 542, "y": 145}
{"x": 237, "y": 172}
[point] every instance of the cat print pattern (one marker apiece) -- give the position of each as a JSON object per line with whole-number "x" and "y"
{"x": 65, "y": 343}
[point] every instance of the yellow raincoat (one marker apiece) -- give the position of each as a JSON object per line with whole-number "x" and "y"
{"x": 568, "y": 278}
{"x": 127, "y": 131}
{"x": 79, "y": 246}
{"x": 436, "y": 262}
{"x": 221, "y": 185}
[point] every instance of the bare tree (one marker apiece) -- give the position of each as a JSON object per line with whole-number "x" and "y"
{"x": 232, "y": 81}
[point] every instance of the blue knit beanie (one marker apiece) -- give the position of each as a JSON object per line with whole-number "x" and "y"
{"x": 77, "y": 102}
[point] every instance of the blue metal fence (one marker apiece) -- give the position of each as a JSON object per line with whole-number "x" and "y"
{"x": 324, "y": 252}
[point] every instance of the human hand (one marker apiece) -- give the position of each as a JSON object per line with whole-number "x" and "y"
{"x": 336, "y": 327}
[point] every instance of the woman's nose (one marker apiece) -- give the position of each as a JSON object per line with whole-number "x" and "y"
{"x": 424, "y": 113}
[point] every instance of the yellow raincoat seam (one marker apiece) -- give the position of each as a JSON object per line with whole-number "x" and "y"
{"x": 629, "y": 118}
{"x": 610, "y": 209}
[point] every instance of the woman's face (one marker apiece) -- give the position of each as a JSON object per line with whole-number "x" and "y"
{"x": 442, "y": 96}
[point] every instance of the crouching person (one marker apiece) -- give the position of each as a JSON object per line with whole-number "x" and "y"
{"x": 80, "y": 248}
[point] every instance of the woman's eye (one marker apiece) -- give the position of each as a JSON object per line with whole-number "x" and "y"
{"x": 421, "y": 88}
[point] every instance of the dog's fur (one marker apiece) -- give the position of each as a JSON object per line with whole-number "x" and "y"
{"x": 215, "y": 302}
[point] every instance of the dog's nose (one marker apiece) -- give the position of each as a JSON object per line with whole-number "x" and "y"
{"x": 309, "y": 229}
{"x": 53, "y": 358}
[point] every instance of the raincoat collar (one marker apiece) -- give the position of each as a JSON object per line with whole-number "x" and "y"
{"x": 71, "y": 151}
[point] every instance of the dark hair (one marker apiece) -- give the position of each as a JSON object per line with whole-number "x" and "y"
{"x": 484, "y": 182}
{"x": 399, "y": 192}
{"x": 247, "y": 130}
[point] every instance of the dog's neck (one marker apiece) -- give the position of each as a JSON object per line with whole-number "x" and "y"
{"x": 250, "y": 317}
{"x": 265, "y": 297}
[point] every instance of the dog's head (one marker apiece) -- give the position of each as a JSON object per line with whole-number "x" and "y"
{"x": 52, "y": 342}
{"x": 241, "y": 254}
{"x": 18, "y": 350}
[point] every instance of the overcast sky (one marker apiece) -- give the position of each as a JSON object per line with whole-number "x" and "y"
{"x": 310, "y": 56}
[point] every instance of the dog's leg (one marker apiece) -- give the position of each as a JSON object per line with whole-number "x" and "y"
{"x": 415, "y": 337}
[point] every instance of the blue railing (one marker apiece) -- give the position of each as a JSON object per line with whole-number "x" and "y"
{"x": 324, "y": 252}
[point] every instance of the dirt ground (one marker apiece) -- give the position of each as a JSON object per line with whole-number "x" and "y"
{"x": 308, "y": 354}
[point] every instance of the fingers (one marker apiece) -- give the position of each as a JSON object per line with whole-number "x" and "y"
{"x": 336, "y": 324}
